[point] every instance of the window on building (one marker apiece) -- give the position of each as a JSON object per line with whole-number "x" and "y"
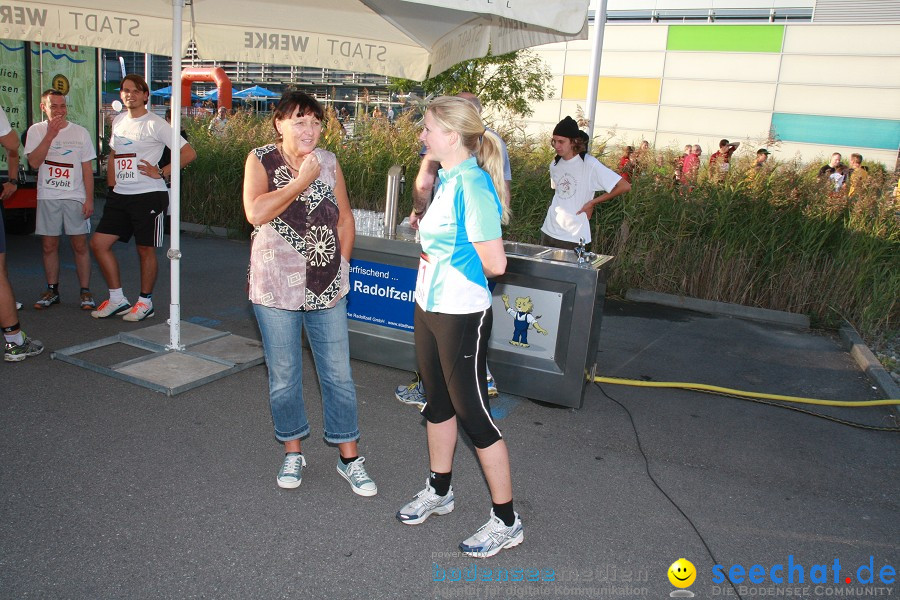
{"x": 683, "y": 16}
{"x": 733, "y": 15}
{"x": 792, "y": 14}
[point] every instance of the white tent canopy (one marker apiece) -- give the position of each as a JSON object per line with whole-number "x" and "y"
{"x": 392, "y": 37}
{"x": 389, "y": 37}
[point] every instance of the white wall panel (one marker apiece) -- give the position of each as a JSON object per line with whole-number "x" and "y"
{"x": 632, "y": 64}
{"x": 731, "y": 124}
{"x": 624, "y": 137}
{"x": 554, "y": 87}
{"x": 839, "y": 101}
{"x": 842, "y": 39}
{"x": 556, "y": 61}
{"x": 819, "y": 152}
{"x": 713, "y": 65}
{"x": 578, "y": 62}
{"x": 853, "y": 70}
{"x": 633, "y": 37}
{"x": 718, "y": 94}
{"x": 614, "y": 115}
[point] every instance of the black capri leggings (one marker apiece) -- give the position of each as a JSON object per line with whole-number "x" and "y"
{"x": 451, "y": 352}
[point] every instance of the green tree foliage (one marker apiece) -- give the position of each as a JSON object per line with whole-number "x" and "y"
{"x": 508, "y": 82}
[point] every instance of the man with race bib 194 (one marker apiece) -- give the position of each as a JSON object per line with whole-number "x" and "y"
{"x": 137, "y": 203}
{"x": 62, "y": 153}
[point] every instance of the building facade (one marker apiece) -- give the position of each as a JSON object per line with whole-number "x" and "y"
{"x": 801, "y": 78}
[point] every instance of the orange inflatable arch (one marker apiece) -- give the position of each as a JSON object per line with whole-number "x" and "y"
{"x": 215, "y": 74}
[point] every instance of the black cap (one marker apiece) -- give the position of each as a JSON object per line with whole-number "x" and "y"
{"x": 762, "y": 151}
{"x": 567, "y": 128}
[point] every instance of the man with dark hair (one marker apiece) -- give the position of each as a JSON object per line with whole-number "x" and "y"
{"x": 762, "y": 155}
{"x": 16, "y": 345}
{"x": 138, "y": 198}
{"x": 62, "y": 153}
{"x": 720, "y": 160}
{"x": 830, "y": 168}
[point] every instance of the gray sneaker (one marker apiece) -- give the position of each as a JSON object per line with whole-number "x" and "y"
{"x": 492, "y": 537}
{"x": 412, "y": 394}
{"x": 48, "y": 298}
{"x": 17, "y": 352}
{"x": 291, "y": 473}
{"x": 425, "y": 504}
{"x": 356, "y": 476}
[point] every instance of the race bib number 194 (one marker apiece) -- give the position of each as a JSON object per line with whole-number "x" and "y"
{"x": 58, "y": 175}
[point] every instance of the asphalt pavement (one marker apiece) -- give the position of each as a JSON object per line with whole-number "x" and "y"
{"x": 109, "y": 490}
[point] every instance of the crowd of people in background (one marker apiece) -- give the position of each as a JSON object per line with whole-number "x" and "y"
{"x": 684, "y": 171}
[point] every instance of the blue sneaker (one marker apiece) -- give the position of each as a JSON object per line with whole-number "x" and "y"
{"x": 412, "y": 394}
{"x": 425, "y": 504}
{"x": 291, "y": 473}
{"x": 493, "y": 392}
{"x": 492, "y": 537}
{"x": 356, "y": 476}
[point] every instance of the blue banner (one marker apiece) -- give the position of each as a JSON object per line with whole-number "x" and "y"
{"x": 382, "y": 294}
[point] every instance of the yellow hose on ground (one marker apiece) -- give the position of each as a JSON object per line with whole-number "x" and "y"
{"x": 724, "y": 390}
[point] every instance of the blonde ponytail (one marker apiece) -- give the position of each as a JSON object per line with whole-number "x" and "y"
{"x": 459, "y": 115}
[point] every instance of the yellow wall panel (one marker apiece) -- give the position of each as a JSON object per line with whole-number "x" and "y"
{"x": 718, "y": 94}
{"x": 613, "y": 89}
{"x": 574, "y": 87}
{"x": 727, "y": 67}
{"x": 629, "y": 89}
{"x": 862, "y": 102}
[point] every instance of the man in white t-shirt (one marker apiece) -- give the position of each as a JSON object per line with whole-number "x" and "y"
{"x": 137, "y": 202}
{"x": 62, "y": 152}
{"x": 575, "y": 176}
{"x": 219, "y": 123}
{"x": 16, "y": 345}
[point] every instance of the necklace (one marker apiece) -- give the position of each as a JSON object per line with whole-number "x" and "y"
{"x": 286, "y": 161}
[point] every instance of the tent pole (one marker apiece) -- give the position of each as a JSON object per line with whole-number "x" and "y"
{"x": 174, "y": 253}
{"x": 594, "y": 73}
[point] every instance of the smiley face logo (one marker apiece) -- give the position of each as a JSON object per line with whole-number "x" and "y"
{"x": 682, "y": 573}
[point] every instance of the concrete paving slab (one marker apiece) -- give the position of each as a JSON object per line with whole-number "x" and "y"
{"x": 108, "y": 490}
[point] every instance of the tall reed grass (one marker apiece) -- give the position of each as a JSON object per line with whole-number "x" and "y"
{"x": 777, "y": 239}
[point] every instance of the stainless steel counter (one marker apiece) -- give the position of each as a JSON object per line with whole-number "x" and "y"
{"x": 547, "y": 356}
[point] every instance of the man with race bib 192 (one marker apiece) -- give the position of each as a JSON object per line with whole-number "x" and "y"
{"x": 137, "y": 203}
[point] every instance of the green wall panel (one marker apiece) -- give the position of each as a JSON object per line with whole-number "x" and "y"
{"x": 725, "y": 38}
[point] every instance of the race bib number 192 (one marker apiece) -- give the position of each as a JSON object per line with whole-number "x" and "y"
{"x": 126, "y": 168}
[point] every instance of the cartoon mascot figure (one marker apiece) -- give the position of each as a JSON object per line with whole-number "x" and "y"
{"x": 522, "y": 320}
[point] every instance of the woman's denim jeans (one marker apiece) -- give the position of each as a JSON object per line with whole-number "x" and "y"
{"x": 327, "y": 333}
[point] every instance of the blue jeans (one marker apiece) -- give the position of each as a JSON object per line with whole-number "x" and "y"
{"x": 327, "y": 333}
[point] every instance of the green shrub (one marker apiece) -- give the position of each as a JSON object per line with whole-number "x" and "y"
{"x": 779, "y": 239}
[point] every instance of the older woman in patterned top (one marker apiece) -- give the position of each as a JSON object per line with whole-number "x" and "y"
{"x": 296, "y": 199}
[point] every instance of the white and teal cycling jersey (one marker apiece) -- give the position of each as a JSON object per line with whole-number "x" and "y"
{"x": 466, "y": 209}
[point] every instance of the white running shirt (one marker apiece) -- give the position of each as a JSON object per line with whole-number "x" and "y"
{"x": 61, "y": 176}
{"x": 135, "y": 140}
